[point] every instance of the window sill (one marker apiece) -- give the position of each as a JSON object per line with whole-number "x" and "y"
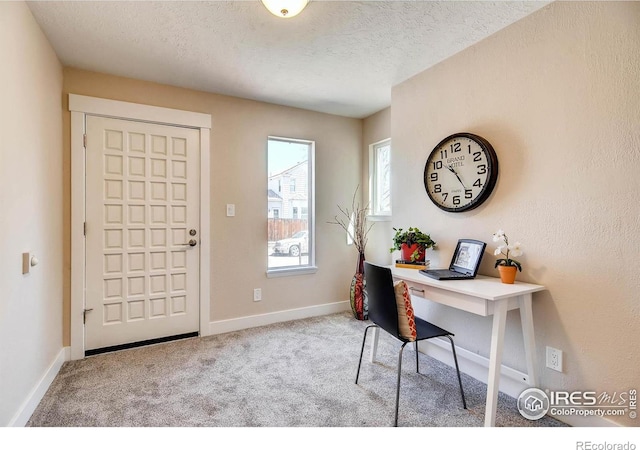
{"x": 379, "y": 218}
{"x": 291, "y": 271}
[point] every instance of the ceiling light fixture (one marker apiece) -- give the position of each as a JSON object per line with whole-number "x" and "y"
{"x": 285, "y": 8}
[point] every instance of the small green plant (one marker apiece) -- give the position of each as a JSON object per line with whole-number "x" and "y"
{"x": 409, "y": 237}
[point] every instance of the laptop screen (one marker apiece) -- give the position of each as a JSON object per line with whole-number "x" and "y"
{"x": 466, "y": 259}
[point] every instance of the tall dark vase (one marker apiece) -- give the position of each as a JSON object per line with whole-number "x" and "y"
{"x": 358, "y": 300}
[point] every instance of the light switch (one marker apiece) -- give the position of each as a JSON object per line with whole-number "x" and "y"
{"x": 231, "y": 210}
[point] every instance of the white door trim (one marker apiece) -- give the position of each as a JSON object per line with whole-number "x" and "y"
{"x": 80, "y": 106}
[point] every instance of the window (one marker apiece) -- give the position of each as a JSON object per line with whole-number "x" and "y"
{"x": 380, "y": 179}
{"x": 290, "y": 230}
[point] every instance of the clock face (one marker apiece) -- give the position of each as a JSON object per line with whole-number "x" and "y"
{"x": 461, "y": 172}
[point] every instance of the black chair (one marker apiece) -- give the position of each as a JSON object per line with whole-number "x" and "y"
{"x": 383, "y": 312}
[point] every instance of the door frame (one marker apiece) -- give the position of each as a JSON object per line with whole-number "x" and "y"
{"x": 81, "y": 106}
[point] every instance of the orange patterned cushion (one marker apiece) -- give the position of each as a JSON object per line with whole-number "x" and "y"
{"x": 406, "y": 319}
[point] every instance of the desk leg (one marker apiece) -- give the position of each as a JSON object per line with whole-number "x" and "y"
{"x": 495, "y": 361}
{"x": 374, "y": 344}
{"x": 526, "y": 318}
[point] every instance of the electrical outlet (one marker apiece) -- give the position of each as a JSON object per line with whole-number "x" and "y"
{"x": 554, "y": 359}
{"x": 257, "y": 295}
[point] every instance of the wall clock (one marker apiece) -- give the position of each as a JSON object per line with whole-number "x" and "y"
{"x": 461, "y": 172}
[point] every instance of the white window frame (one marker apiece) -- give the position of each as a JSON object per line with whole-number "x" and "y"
{"x": 311, "y": 193}
{"x": 373, "y": 179}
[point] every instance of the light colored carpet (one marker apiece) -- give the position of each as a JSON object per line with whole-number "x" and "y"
{"x": 293, "y": 374}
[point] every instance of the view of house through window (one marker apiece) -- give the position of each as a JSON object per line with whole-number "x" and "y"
{"x": 290, "y": 199}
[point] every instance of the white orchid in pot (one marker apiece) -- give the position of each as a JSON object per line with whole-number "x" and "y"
{"x": 507, "y": 265}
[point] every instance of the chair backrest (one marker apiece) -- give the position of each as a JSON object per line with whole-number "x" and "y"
{"x": 381, "y": 297}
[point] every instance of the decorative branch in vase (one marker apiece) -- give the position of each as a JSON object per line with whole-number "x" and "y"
{"x": 354, "y": 222}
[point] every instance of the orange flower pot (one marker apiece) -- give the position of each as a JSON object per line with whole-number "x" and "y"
{"x": 507, "y": 274}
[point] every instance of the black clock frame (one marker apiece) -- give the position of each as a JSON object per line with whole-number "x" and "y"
{"x": 492, "y": 163}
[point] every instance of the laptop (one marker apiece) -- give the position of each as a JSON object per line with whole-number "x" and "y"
{"x": 464, "y": 263}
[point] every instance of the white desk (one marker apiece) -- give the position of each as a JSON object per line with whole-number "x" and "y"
{"x": 484, "y": 296}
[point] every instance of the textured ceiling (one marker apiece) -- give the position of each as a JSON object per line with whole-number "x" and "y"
{"x": 335, "y": 57}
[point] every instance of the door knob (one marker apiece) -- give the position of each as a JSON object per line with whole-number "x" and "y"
{"x": 191, "y": 243}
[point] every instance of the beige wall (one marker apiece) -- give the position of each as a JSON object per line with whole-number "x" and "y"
{"x": 376, "y": 128}
{"x": 30, "y": 205}
{"x": 238, "y": 175}
{"x": 558, "y": 96}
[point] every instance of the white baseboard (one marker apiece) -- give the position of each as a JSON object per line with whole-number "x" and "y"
{"x": 512, "y": 382}
{"x": 242, "y": 323}
{"x": 30, "y": 404}
{"x": 590, "y": 422}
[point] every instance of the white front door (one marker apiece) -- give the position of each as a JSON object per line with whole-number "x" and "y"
{"x": 142, "y": 211}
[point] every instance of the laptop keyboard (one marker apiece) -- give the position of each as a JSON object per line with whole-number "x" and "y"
{"x": 457, "y": 275}
{"x": 444, "y": 273}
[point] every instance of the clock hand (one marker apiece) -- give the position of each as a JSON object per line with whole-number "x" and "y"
{"x": 456, "y": 174}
